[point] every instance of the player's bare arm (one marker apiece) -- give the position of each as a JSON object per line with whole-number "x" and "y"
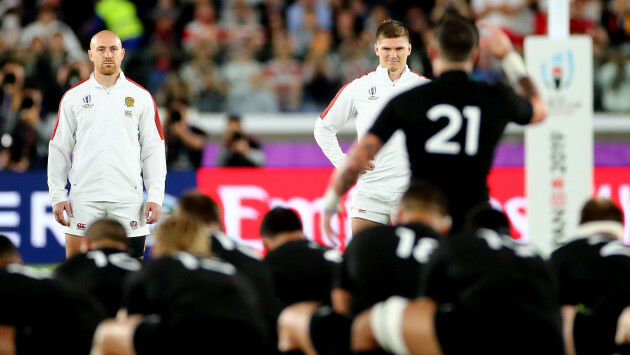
{"x": 358, "y": 157}
{"x": 498, "y": 43}
{"x": 371, "y": 330}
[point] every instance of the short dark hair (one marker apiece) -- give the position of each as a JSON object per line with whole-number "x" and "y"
{"x": 424, "y": 195}
{"x": 456, "y": 37}
{"x": 7, "y": 248}
{"x": 106, "y": 229}
{"x": 483, "y": 215}
{"x": 200, "y": 206}
{"x": 280, "y": 220}
{"x": 391, "y": 29}
{"x": 600, "y": 209}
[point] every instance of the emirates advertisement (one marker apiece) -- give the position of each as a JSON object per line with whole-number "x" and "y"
{"x": 247, "y": 194}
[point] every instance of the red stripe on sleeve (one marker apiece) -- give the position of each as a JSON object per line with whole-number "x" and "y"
{"x": 418, "y": 74}
{"x": 330, "y": 105}
{"x": 158, "y": 123}
{"x": 59, "y": 109}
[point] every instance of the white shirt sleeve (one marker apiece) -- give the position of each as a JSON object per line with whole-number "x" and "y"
{"x": 152, "y": 153}
{"x": 339, "y": 111}
{"x": 60, "y": 148}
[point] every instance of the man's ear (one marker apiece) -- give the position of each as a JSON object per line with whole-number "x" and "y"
{"x": 376, "y": 49}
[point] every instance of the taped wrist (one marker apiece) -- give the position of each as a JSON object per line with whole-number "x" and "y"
{"x": 513, "y": 67}
{"x": 386, "y": 323}
{"x": 331, "y": 200}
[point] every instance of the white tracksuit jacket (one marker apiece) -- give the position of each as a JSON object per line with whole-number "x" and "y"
{"x": 113, "y": 135}
{"x": 363, "y": 99}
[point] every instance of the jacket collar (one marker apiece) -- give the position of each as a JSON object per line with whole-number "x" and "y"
{"x": 382, "y": 72}
{"x": 95, "y": 83}
{"x": 611, "y": 228}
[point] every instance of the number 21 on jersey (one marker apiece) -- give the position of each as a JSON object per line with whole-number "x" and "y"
{"x": 440, "y": 143}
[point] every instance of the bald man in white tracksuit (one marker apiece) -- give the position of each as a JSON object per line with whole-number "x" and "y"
{"x": 107, "y": 142}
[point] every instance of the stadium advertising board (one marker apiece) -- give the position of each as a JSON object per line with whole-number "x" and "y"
{"x": 246, "y": 195}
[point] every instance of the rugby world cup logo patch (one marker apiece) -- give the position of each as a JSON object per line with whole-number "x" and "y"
{"x": 87, "y": 101}
{"x": 372, "y": 93}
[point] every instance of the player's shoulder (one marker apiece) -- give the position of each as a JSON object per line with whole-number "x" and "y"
{"x": 361, "y": 80}
{"x": 417, "y": 77}
{"x": 137, "y": 89}
{"x": 77, "y": 90}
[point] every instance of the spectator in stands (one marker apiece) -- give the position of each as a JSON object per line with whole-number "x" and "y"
{"x": 202, "y": 28}
{"x": 207, "y": 92}
{"x": 514, "y": 17}
{"x": 616, "y": 21}
{"x": 26, "y": 148}
{"x": 12, "y": 75}
{"x": 248, "y": 91}
{"x": 46, "y": 26}
{"x": 420, "y": 33}
{"x": 120, "y": 17}
{"x": 284, "y": 74}
{"x": 321, "y": 73}
{"x": 239, "y": 149}
{"x": 296, "y": 11}
{"x": 613, "y": 78}
{"x": 303, "y": 36}
{"x": 184, "y": 141}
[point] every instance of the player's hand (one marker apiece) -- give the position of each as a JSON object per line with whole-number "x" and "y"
{"x": 493, "y": 40}
{"x": 58, "y": 212}
{"x": 329, "y": 234}
{"x": 367, "y": 168}
{"x": 152, "y": 212}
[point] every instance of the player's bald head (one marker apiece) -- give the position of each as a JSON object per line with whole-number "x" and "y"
{"x": 105, "y": 36}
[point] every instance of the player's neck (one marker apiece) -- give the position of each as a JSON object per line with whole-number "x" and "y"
{"x": 106, "y": 80}
{"x": 395, "y": 75}
{"x": 440, "y": 66}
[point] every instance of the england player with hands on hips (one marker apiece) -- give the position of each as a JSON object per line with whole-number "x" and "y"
{"x": 385, "y": 178}
{"x": 107, "y": 141}
{"x": 452, "y": 123}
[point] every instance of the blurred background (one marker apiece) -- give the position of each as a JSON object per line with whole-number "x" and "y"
{"x": 240, "y": 83}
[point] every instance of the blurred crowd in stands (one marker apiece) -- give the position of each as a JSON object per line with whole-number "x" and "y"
{"x": 252, "y": 56}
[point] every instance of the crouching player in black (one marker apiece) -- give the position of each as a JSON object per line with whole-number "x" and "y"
{"x": 247, "y": 262}
{"x": 301, "y": 270}
{"x": 380, "y": 262}
{"x": 593, "y": 272}
{"x": 481, "y": 293}
{"x": 40, "y": 315}
{"x": 187, "y": 300}
{"x": 103, "y": 264}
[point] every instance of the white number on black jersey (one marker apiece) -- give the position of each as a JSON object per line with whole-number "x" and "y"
{"x": 120, "y": 260}
{"x": 497, "y": 241}
{"x": 421, "y": 251}
{"x": 441, "y": 141}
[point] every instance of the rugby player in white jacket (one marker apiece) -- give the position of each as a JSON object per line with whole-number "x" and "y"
{"x": 107, "y": 141}
{"x": 386, "y": 178}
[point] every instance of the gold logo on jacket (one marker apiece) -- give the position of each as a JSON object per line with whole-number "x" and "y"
{"x": 129, "y": 101}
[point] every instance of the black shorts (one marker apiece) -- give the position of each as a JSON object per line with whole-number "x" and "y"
{"x": 330, "y": 331}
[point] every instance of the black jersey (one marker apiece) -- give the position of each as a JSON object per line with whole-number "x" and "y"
{"x": 593, "y": 273}
{"x": 49, "y": 315}
{"x": 453, "y": 125}
{"x": 184, "y": 290}
{"x": 384, "y": 261}
{"x": 494, "y": 296}
{"x": 302, "y": 271}
{"x": 101, "y": 274}
{"x": 250, "y": 266}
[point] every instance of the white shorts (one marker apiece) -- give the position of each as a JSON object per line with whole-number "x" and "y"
{"x": 130, "y": 215}
{"x": 376, "y": 206}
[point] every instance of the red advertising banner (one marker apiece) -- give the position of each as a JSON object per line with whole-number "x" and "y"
{"x": 247, "y": 194}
